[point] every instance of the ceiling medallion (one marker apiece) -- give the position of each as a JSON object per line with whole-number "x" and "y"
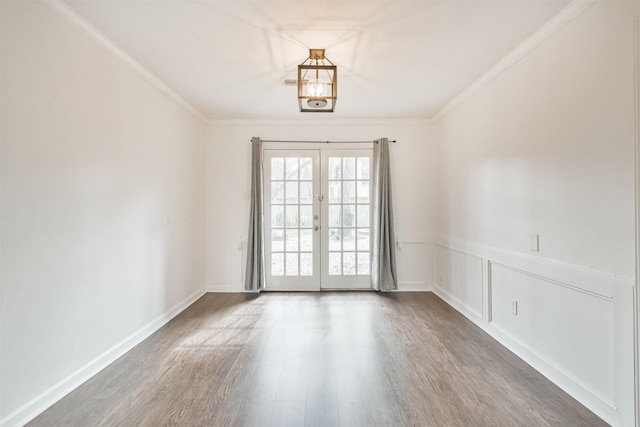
{"x": 317, "y": 83}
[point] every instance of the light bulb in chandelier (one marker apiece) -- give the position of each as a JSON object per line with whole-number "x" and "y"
{"x": 316, "y": 88}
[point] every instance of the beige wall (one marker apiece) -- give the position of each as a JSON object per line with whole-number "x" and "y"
{"x": 228, "y": 162}
{"x": 108, "y": 212}
{"x": 102, "y": 208}
{"x": 547, "y": 149}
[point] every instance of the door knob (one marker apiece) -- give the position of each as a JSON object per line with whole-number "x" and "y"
{"x": 317, "y": 227}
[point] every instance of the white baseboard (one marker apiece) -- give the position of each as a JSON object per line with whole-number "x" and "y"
{"x": 40, "y": 403}
{"x": 463, "y": 308}
{"x": 402, "y": 287}
{"x": 224, "y": 288}
{"x": 407, "y": 286}
{"x": 582, "y": 393}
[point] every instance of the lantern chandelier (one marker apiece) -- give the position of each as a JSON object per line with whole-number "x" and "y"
{"x": 317, "y": 83}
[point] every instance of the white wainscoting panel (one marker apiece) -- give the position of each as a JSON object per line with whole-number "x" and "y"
{"x": 623, "y": 351}
{"x": 238, "y": 261}
{"x": 411, "y": 254}
{"x": 459, "y": 277}
{"x": 568, "y": 328}
{"x": 573, "y": 324}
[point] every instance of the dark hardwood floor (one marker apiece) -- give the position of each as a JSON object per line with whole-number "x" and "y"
{"x": 318, "y": 359}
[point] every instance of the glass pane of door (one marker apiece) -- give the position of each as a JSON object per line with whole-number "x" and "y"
{"x": 292, "y": 243}
{"x": 346, "y": 225}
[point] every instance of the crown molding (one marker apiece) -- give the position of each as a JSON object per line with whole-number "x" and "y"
{"x": 72, "y": 17}
{"x": 566, "y": 15}
{"x": 562, "y": 18}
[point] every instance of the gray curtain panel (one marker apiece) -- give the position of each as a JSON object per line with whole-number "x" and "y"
{"x": 254, "y": 275}
{"x": 383, "y": 254}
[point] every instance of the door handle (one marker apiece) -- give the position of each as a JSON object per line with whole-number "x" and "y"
{"x": 317, "y": 227}
{"x": 320, "y": 197}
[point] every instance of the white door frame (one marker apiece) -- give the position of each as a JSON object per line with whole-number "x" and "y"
{"x": 636, "y": 308}
{"x": 271, "y": 147}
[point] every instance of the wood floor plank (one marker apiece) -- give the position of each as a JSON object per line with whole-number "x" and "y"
{"x": 318, "y": 359}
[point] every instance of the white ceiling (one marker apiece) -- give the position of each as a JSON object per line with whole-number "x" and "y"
{"x": 396, "y": 58}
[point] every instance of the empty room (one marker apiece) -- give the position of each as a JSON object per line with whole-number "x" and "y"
{"x": 319, "y": 213}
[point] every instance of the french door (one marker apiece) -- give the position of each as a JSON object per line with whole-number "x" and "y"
{"x": 292, "y": 219}
{"x": 317, "y": 219}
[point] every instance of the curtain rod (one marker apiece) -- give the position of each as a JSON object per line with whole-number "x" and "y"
{"x": 322, "y": 142}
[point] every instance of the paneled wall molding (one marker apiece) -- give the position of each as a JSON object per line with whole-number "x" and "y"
{"x": 408, "y": 242}
{"x": 591, "y": 398}
{"x": 402, "y": 240}
{"x": 623, "y": 352}
{"x": 412, "y": 237}
{"x": 69, "y": 15}
{"x": 457, "y": 278}
{"x": 466, "y": 307}
{"x": 582, "y": 289}
{"x": 614, "y": 408}
{"x": 455, "y": 302}
{"x": 566, "y": 15}
{"x": 37, "y": 405}
{"x": 580, "y": 277}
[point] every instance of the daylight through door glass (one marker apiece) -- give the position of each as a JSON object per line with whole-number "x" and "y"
{"x": 349, "y": 219}
{"x": 291, "y": 216}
